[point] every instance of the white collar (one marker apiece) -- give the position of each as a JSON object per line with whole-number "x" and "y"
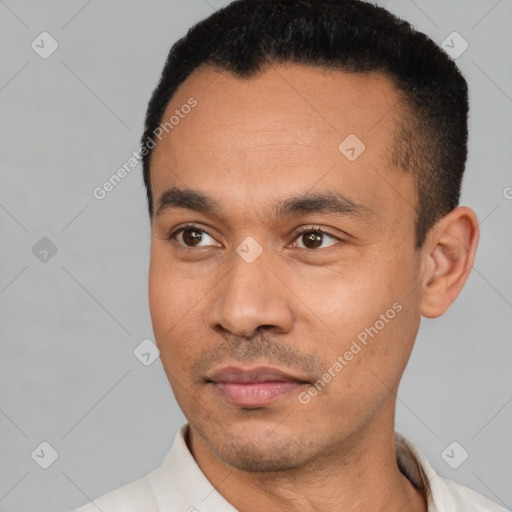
{"x": 181, "y": 485}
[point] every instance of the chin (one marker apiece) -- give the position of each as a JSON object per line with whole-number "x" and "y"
{"x": 254, "y": 459}
{"x": 262, "y": 452}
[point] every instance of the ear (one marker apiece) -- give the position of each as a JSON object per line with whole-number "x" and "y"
{"x": 447, "y": 258}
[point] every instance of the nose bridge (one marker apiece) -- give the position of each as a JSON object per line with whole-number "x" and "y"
{"x": 251, "y": 295}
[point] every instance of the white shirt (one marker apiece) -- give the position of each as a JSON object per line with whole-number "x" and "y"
{"x": 179, "y": 485}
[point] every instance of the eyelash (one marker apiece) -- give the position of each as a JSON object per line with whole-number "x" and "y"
{"x": 314, "y": 229}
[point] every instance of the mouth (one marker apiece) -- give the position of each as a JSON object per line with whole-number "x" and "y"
{"x": 254, "y": 387}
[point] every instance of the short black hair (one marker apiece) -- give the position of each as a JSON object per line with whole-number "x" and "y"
{"x": 351, "y": 36}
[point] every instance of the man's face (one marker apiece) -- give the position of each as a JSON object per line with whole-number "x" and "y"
{"x": 242, "y": 295}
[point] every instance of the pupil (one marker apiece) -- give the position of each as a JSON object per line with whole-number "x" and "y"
{"x": 313, "y": 240}
{"x": 191, "y": 239}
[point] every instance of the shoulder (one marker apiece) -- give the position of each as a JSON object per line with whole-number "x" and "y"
{"x": 443, "y": 494}
{"x": 178, "y": 485}
{"x": 134, "y": 496}
{"x": 465, "y": 498}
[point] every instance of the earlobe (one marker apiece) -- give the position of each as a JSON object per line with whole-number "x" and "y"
{"x": 449, "y": 252}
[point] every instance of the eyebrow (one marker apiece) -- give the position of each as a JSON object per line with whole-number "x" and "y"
{"x": 328, "y": 202}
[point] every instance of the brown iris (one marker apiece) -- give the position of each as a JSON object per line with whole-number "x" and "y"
{"x": 312, "y": 240}
{"x": 192, "y": 236}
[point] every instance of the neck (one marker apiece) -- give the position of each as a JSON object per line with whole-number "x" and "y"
{"x": 361, "y": 474}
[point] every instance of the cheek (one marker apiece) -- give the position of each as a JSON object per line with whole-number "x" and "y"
{"x": 347, "y": 298}
{"x": 175, "y": 305}
{"x": 173, "y": 290}
{"x": 372, "y": 319}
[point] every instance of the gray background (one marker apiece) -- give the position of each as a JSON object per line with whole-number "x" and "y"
{"x": 69, "y": 325}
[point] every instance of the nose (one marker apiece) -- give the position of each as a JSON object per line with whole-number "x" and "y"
{"x": 251, "y": 296}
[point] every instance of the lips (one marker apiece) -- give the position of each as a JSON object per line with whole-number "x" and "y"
{"x": 254, "y": 387}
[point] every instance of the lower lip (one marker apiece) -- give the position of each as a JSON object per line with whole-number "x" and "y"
{"x": 255, "y": 394}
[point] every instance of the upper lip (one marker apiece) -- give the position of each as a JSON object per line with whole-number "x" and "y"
{"x": 256, "y": 374}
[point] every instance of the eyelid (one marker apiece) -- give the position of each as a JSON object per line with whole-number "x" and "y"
{"x": 315, "y": 229}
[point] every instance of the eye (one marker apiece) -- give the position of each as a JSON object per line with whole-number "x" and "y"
{"x": 312, "y": 238}
{"x": 192, "y": 236}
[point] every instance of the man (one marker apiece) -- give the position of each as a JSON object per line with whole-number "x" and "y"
{"x": 303, "y": 162}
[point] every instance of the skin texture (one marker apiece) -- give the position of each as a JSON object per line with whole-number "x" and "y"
{"x": 250, "y": 144}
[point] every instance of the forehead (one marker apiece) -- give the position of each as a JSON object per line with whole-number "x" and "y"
{"x": 289, "y": 127}
{"x": 296, "y": 99}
